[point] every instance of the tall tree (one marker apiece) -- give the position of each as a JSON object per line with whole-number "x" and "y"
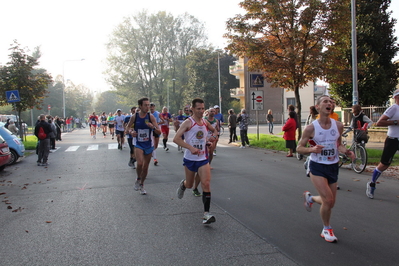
{"x": 376, "y": 48}
{"x": 202, "y": 67}
{"x": 21, "y": 73}
{"x": 281, "y": 38}
{"x": 146, "y": 52}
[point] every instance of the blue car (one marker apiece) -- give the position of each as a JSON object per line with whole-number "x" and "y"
{"x": 17, "y": 148}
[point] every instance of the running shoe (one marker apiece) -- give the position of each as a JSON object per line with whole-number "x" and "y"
{"x": 196, "y": 193}
{"x": 155, "y": 162}
{"x": 130, "y": 162}
{"x": 208, "y": 218}
{"x": 119, "y": 146}
{"x": 166, "y": 149}
{"x": 137, "y": 185}
{"x": 214, "y": 153}
{"x": 370, "y": 190}
{"x": 328, "y": 235}
{"x": 306, "y": 199}
{"x": 180, "y": 190}
{"x": 142, "y": 191}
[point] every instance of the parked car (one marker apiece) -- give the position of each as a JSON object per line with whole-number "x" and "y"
{"x": 5, "y": 154}
{"x": 15, "y": 144}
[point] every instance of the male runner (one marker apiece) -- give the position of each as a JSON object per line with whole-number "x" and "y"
{"x": 388, "y": 119}
{"x": 155, "y": 136}
{"x": 167, "y": 118}
{"x": 219, "y": 117}
{"x": 141, "y": 127}
{"x": 195, "y": 131}
{"x": 120, "y": 128}
{"x": 130, "y": 139}
{"x": 325, "y": 134}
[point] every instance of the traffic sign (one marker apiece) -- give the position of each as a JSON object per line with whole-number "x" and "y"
{"x": 256, "y": 100}
{"x": 13, "y": 96}
{"x": 256, "y": 81}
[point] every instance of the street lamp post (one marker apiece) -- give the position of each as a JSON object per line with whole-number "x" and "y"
{"x": 63, "y": 83}
{"x": 174, "y": 81}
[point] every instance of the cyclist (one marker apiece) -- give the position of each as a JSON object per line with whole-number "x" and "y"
{"x": 358, "y": 119}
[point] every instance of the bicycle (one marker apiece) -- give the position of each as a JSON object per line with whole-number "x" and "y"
{"x": 358, "y": 148}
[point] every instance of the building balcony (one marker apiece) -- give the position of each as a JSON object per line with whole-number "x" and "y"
{"x": 236, "y": 69}
{"x": 237, "y": 92}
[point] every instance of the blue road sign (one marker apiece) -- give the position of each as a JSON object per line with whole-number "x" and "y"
{"x": 256, "y": 81}
{"x": 13, "y": 96}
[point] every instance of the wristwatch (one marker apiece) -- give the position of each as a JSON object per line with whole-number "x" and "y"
{"x": 395, "y": 122}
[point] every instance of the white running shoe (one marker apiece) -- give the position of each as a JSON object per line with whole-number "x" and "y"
{"x": 328, "y": 235}
{"x": 370, "y": 190}
{"x": 142, "y": 191}
{"x": 306, "y": 199}
{"x": 137, "y": 185}
{"x": 208, "y": 218}
{"x": 180, "y": 190}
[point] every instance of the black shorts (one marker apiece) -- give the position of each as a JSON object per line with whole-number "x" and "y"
{"x": 111, "y": 125}
{"x": 391, "y": 145}
{"x": 120, "y": 133}
{"x": 328, "y": 171}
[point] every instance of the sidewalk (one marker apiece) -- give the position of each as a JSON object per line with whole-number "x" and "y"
{"x": 264, "y": 129}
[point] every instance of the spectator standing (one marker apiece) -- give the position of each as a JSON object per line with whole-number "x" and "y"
{"x": 289, "y": 134}
{"x": 312, "y": 115}
{"x": 243, "y": 119}
{"x": 52, "y": 134}
{"x": 270, "y": 120}
{"x": 232, "y": 124}
{"x": 58, "y": 124}
{"x": 44, "y": 144}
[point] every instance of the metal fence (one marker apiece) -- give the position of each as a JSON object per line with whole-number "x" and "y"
{"x": 373, "y": 112}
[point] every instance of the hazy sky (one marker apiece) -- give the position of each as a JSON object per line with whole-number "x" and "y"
{"x": 74, "y": 30}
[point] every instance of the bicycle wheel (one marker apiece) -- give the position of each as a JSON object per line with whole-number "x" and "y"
{"x": 360, "y": 163}
{"x": 342, "y": 160}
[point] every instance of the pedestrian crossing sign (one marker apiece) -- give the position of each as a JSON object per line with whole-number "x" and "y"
{"x": 13, "y": 96}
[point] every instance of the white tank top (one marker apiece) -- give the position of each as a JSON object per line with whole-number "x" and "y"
{"x": 327, "y": 138}
{"x": 196, "y": 137}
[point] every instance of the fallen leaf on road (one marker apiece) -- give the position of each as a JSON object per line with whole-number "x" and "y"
{"x": 49, "y": 222}
{"x": 2, "y": 193}
{"x": 9, "y": 207}
{"x": 356, "y": 180}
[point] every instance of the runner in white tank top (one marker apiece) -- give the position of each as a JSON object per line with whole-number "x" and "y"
{"x": 195, "y": 130}
{"x": 323, "y": 166}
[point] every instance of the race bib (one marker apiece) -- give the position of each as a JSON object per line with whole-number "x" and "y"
{"x": 143, "y": 135}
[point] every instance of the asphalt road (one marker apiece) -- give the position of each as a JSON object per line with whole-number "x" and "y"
{"x": 82, "y": 210}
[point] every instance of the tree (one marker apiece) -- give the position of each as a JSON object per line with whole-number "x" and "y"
{"x": 202, "y": 67}
{"x": 376, "y": 48}
{"x": 20, "y": 74}
{"x": 281, "y": 38}
{"x": 146, "y": 52}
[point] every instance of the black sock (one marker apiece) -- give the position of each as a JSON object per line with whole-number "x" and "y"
{"x": 164, "y": 142}
{"x": 206, "y": 199}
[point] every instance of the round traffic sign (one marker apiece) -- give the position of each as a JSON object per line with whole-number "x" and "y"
{"x": 259, "y": 98}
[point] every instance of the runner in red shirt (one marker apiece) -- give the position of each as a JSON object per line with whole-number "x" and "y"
{"x": 167, "y": 118}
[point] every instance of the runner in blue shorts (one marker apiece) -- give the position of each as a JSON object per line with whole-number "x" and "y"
{"x": 195, "y": 130}
{"x": 141, "y": 126}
